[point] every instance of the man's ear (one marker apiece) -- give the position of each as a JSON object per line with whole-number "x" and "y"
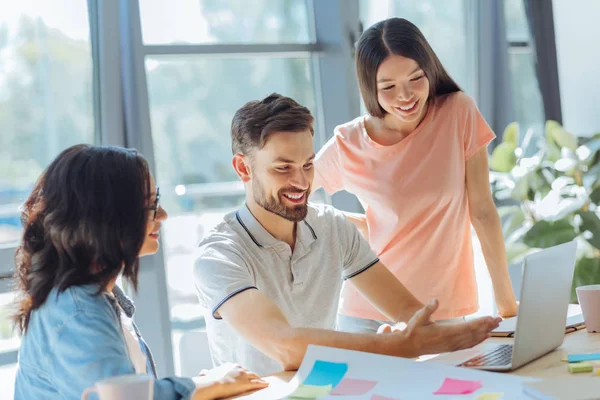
{"x": 241, "y": 165}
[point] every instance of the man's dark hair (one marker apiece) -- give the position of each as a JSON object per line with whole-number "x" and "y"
{"x": 256, "y": 120}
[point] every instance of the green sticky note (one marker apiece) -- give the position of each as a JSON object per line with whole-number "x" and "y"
{"x": 311, "y": 392}
{"x": 576, "y": 368}
{"x": 490, "y": 396}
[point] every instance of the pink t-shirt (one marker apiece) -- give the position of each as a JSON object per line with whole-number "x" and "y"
{"x": 416, "y": 203}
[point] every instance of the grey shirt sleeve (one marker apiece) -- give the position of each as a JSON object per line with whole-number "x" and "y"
{"x": 358, "y": 256}
{"x": 220, "y": 273}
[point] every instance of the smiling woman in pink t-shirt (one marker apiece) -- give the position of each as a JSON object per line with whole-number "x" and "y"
{"x": 418, "y": 163}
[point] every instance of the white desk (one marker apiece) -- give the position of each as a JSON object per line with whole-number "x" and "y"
{"x": 550, "y": 366}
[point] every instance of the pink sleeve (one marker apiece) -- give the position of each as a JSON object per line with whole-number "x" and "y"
{"x": 327, "y": 168}
{"x": 477, "y": 132}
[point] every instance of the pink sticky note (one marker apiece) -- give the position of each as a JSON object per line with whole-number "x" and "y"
{"x": 353, "y": 387}
{"x": 380, "y": 397}
{"x": 457, "y": 386}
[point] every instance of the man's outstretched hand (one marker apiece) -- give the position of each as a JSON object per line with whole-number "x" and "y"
{"x": 426, "y": 337}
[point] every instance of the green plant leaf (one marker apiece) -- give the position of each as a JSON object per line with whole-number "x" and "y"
{"x": 544, "y": 234}
{"x": 548, "y": 174}
{"x": 565, "y": 165}
{"x": 511, "y": 134}
{"x": 593, "y": 174}
{"x": 515, "y": 222}
{"x": 552, "y": 151}
{"x": 502, "y": 194}
{"x": 506, "y": 211}
{"x": 515, "y": 252}
{"x": 519, "y": 233}
{"x": 561, "y": 137}
{"x": 539, "y": 184}
{"x": 550, "y": 125}
{"x": 587, "y": 272}
{"x": 521, "y": 189}
{"x": 591, "y": 222}
{"x": 595, "y": 196}
{"x": 503, "y": 157}
{"x": 512, "y": 218}
{"x": 588, "y": 150}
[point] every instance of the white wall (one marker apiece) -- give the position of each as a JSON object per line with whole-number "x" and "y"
{"x": 577, "y": 26}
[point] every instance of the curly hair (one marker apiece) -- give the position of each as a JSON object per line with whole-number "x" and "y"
{"x": 84, "y": 223}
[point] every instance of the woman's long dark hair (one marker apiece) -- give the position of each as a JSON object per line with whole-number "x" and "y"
{"x": 84, "y": 222}
{"x": 397, "y": 36}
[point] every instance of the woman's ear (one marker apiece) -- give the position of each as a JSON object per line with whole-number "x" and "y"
{"x": 241, "y": 166}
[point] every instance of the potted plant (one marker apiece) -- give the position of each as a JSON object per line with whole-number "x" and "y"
{"x": 550, "y": 196}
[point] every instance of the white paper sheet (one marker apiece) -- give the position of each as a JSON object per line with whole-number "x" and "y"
{"x": 399, "y": 378}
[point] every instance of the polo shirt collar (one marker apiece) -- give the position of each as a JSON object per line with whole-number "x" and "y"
{"x": 259, "y": 235}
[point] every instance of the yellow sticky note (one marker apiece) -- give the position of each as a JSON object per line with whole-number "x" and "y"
{"x": 311, "y": 392}
{"x": 576, "y": 368}
{"x": 490, "y": 396}
{"x": 565, "y": 359}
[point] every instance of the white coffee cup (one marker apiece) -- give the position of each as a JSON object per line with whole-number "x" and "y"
{"x": 124, "y": 387}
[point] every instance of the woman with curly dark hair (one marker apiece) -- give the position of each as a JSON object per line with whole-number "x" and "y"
{"x": 91, "y": 214}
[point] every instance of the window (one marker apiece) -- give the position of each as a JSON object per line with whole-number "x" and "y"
{"x": 527, "y": 99}
{"x": 225, "y": 21}
{"x": 46, "y": 105}
{"x": 46, "y": 101}
{"x": 198, "y": 74}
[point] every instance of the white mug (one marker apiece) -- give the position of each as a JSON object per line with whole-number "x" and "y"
{"x": 124, "y": 387}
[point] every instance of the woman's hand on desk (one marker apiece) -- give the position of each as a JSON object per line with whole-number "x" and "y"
{"x": 226, "y": 381}
{"x": 426, "y": 337}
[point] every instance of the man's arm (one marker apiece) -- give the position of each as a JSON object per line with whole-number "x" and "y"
{"x": 262, "y": 324}
{"x": 385, "y": 292}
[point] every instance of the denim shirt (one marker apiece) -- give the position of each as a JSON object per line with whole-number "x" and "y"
{"x": 75, "y": 340}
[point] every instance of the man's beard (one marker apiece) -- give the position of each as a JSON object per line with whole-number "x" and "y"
{"x": 276, "y": 206}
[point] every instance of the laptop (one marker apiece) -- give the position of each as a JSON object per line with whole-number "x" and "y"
{"x": 574, "y": 323}
{"x": 545, "y": 294}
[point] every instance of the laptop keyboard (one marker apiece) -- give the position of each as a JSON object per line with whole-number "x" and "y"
{"x": 502, "y": 355}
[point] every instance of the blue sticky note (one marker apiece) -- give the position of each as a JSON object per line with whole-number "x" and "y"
{"x": 326, "y": 373}
{"x": 583, "y": 357}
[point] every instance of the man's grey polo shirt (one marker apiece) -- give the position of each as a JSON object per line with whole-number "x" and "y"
{"x": 240, "y": 255}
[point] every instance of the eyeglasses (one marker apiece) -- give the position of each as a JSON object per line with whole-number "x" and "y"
{"x": 156, "y": 204}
